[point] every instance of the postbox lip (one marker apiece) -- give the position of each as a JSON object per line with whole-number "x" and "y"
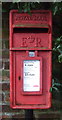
{"x": 31, "y": 26}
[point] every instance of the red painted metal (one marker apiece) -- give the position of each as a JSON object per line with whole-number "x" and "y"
{"x": 30, "y": 33}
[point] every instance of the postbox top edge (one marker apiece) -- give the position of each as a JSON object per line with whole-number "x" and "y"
{"x": 32, "y": 11}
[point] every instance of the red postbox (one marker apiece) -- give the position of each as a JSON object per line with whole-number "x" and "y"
{"x": 30, "y": 59}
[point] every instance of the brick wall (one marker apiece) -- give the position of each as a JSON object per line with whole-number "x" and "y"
{"x": 6, "y": 112}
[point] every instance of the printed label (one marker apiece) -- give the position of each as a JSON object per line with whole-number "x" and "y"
{"x": 31, "y": 75}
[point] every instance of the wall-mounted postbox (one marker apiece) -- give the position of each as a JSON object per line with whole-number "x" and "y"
{"x": 30, "y": 59}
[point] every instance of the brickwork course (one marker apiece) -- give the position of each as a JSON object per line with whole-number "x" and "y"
{"x": 7, "y": 113}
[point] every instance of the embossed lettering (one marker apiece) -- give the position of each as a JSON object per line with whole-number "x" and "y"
{"x": 33, "y": 17}
{"x": 24, "y": 42}
{"x": 38, "y": 42}
{"x": 31, "y": 41}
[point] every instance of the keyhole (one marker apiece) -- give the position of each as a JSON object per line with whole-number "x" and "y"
{"x": 19, "y": 78}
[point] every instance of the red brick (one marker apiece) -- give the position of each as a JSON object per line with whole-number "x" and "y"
{"x": 5, "y": 53}
{"x": 0, "y": 64}
{"x": 1, "y": 117}
{"x": 5, "y": 43}
{"x": 6, "y": 117}
{"x": 6, "y": 65}
{"x": 19, "y": 117}
{"x": 1, "y": 97}
{"x": 7, "y": 108}
{"x": 5, "y": 73}
{"x": 0, "y": 86}
{"x": 0, "y": 109}
{"x": 5, "y": 78}
{"x": 7, "y": 97}
{"x": 0, "y": 54}
{"x": 5, "y": 86}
